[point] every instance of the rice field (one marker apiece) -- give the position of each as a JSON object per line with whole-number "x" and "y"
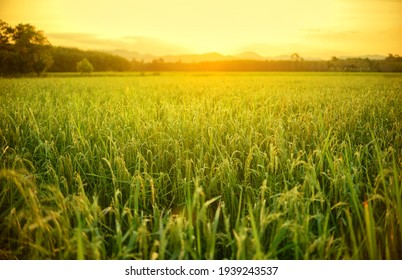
{"x": 201, "y": 166}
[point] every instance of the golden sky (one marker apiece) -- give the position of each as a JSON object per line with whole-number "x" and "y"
{"x": 315, "y": 28}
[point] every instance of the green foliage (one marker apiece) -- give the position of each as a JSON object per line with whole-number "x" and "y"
{"x": 84, "y": 66}
{"x": 65, "y": 60}
{"x": 190, "y": 166}
{"x": 295, "y": 63}
{"x": 23, "y": 49}
{"x": 42, "y": 61}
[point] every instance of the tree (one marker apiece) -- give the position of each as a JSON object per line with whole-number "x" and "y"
{"x": 295, "y": 57}
{"x": 42, "y": 62}
{"x": 84, "y": 66}
{"x": 32, "y": 47}
{"x": 6, "y": 32}
{"x": 24, "y": 49}
{"x": 8, "y": 57}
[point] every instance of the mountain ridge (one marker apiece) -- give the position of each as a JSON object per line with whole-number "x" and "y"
{"x": 216, "y": 56}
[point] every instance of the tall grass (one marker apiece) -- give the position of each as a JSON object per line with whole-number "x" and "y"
{"x": 187, "y": 166}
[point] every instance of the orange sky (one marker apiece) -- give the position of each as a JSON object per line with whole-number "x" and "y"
{"x": 315, "y": 28}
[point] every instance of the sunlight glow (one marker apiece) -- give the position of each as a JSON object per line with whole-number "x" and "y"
{"x": 312, "y": 27}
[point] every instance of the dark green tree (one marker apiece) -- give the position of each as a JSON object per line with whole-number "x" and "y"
{"x": 6, "y": 32}
{"x": 24, "y": 49}
{"x": 32, "y": 47}
{"x": 8, "y": 57}
{"x": 42, "y": 61}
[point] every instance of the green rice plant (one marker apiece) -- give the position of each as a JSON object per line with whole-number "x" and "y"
{"x": 212, "y": 166}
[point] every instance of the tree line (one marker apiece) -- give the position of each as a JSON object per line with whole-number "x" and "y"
{"x": 392, "y": 63}
{"x": 25, "y": 50}
{"x": 66, "y": 59}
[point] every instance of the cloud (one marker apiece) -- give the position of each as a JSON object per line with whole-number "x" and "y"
{"x": 154, "y": 46}
{"x": 130, "y": 43}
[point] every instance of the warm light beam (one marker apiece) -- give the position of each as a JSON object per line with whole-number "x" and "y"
{"x": 313, "y": 27}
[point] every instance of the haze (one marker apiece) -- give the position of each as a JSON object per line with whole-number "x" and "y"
{"x": 315, "y": 28}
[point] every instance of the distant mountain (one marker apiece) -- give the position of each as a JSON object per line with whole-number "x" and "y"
{"x": 189, "y": 58}
{"x": 371, "y": 57}
{"x": 130, "y": 55}
{"x": 214, "y": 56}
{"x": 186, "y": 58}
{"x": 249, "y": 56}
{"x": 193, "y": 58}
